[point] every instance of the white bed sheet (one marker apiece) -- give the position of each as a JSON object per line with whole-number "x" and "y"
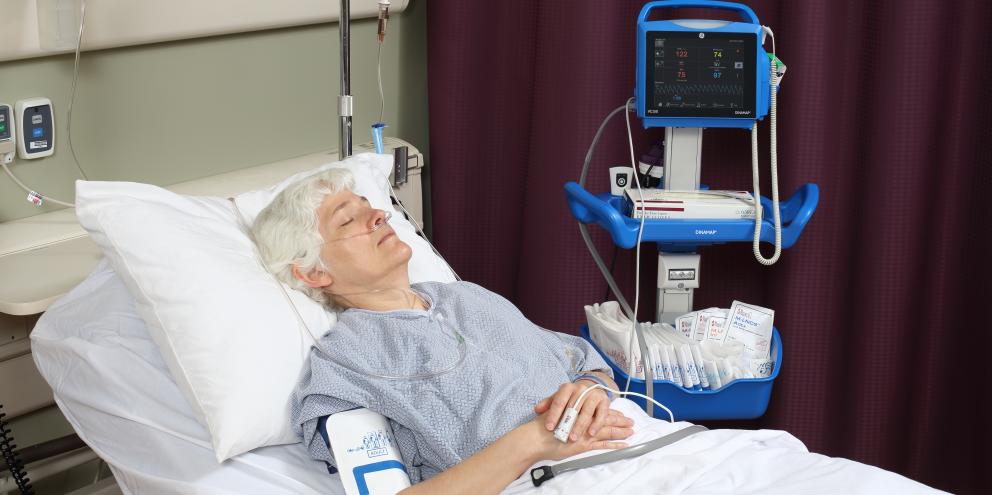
{"x": 114, "y": 388}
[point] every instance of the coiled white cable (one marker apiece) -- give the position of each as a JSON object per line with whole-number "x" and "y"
{"x": 773, "y": 149}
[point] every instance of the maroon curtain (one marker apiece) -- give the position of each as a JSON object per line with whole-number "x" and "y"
{"x": 882, "y": 302}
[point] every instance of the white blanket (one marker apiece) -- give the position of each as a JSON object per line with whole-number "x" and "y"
{"x": 739, "y": 462}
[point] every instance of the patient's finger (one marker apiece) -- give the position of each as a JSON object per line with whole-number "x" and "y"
{"x": 617, "y": 418}
{"x": 584, "y": 419}
{"x": 543, "y": 405}
{"x": 558, "y": 403}
{"x": 607, "y": 445}
{"x": 602, "y": 411}
{"x": 614, "y": 433}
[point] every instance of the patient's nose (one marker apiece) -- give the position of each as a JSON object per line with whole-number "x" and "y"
{"x": 378, "y": 218}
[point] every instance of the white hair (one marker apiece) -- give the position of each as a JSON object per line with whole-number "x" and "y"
{"x": 286, "y": 230}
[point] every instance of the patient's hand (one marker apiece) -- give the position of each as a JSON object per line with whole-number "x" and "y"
{"x": 616, "y": 427}
{"x": 592, "y": 415}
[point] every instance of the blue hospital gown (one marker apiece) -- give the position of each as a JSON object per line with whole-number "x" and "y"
{"x": 510, "y": 365}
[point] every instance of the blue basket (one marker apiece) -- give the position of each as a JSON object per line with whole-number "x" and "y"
{"x": 745, "y": 398}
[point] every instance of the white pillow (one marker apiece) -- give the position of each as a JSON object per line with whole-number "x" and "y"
{"x": 232, "y": 343}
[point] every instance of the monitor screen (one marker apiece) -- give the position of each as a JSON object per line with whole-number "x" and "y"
{"x": 700, "y": 74}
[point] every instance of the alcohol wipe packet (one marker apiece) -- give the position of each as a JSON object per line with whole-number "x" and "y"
{"x": 752, "y": 326}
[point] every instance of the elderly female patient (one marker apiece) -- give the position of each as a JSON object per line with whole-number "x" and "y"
{"x": 472, "y": 389}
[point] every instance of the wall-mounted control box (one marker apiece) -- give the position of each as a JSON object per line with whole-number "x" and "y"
{"x": 36, "y": 122}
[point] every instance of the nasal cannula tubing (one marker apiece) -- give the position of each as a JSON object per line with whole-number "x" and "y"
{"x": 416, "y": 225}
{"x": 385, "y": 220}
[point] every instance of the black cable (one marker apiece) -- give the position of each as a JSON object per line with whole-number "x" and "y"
{"x": 7, "y": 447}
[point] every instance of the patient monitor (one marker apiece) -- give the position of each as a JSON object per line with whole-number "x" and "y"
{"x": 693, "y": 74}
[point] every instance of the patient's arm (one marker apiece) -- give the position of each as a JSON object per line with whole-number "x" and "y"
{"x": 493, "y": 468}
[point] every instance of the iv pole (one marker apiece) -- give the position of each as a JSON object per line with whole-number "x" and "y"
{"x": 344, "y": 101}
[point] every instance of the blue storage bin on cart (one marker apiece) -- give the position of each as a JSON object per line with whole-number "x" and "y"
{"x": 745, "y": 398}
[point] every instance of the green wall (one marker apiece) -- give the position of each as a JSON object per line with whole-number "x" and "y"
{"x": 171, "y": 112}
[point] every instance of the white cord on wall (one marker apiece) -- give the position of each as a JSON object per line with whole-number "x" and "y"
{"x": 72, "y": 93}
{"x": 30, "y": 192}
{"x": 4, "y": 161}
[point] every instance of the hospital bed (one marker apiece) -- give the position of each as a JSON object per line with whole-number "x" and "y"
{"x": 114, "y": 387}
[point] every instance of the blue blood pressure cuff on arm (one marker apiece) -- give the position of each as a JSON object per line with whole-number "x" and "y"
{"x": 593, "y": 378}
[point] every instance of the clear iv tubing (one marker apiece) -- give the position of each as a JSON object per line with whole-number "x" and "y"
{"x": 381, "y": 36}
{"x": 72, "y": 93}
{"x": 299, "y": 318}
{"x": 773, "y": 149}
{"x": 378, "y": 69}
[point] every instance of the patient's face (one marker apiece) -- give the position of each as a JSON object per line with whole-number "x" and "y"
{"x": 356, "y": 256}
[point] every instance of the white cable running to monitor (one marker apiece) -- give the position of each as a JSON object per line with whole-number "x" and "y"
{"x": 567, "y": 421}
{"x": 578, "y": 402}
{"x": 773, "y": 149}
{"x": 637, "y": 260}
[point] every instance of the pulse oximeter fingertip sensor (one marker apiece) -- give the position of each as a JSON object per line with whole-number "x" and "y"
{"x": 565, "y": 425}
